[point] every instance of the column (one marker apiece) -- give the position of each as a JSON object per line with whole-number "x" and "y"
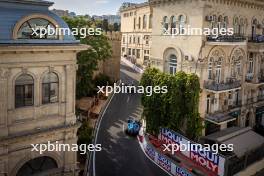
{"x": 4, "y": 75}
{"x": 70, "y": 93}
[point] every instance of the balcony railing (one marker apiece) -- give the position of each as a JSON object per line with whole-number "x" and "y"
{"x": 230, "y": 84}
{"x": 260, "y": 97}
{"x": 250, "y": 79}
{"x": 226, "y": 38}
{"x": 261, "y": 79}
{"x": 256, "y": 39}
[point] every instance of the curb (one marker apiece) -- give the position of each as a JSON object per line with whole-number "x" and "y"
{"x": 133, "y": 66}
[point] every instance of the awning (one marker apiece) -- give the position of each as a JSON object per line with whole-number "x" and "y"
{"x": 243, "y": 139}
{"x": 219, "y": 118}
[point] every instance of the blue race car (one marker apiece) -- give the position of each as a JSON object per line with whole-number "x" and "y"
{"x": 133, "y": 127}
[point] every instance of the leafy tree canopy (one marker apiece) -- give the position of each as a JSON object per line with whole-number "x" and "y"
{"x": 99, "y": 50}
{"x": 178, "y": 109}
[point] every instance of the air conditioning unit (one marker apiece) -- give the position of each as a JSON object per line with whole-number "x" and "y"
{"x": 209, "y": 18}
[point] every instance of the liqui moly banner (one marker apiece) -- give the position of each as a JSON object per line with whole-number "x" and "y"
{"x": 163, "y": 161}
{"x": 207, "y": 159}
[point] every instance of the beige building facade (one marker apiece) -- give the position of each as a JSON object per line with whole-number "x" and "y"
{"x": 37, "y": 92}
{"x": 136, "y": 28}
{"x": 230, "y": 67}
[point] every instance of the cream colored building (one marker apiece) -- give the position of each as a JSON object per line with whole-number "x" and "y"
{"x": 136, "y": 28}
{"x": 231, "y": 69}
{"x": 37, "y": 91}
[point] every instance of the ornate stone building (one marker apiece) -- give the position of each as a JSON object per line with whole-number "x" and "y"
{"x": 37, "y": 90}
{"x": 136, "y": 27}
{"x": 231, "y": 68}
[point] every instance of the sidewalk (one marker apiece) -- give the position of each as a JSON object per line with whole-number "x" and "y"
{"x": 133, "y": 66}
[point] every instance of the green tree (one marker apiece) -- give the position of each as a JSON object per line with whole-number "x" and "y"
{"x": 116, "y": 27}
{"x": 87, "y": 60}
{"x": 105, "y": 25}
{"x": 177, "y": 109}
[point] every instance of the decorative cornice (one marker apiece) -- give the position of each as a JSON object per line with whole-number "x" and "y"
{"x": 253, "y": 4}
{"x": 4, "y": 73}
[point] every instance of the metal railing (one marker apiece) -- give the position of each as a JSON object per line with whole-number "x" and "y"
{"x": 213, "y": 85}
{"x": 256, "y": 39}
{"x": 226, "y": 38}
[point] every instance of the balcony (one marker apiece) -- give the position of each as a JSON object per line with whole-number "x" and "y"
{"x": 225, "y": 86}
{"x": 250, "y": 79}
{"x": 256, "y": 39}
{"x": 221, "y": 117}
{"x": 226, "y": 38}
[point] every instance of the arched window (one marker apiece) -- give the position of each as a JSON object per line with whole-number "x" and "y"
{"x": 50, "y": 88}
{"x": 37, "y": 166}
{"x": 220, "y": 22}
{"x": 254, "y": 28}
{"x": 139, "y": 23}
{"x": 173, "y": 64}
{"x": 150, "y": 21}
{"x": 165, "y": 23}
{"x": 182, "y": 21}
{"x": 218, "y": 70}
{"x": 32, "y": 28}
{"x": 24, "y": 91}
{"x": 173, "y": 24}
{"x": 144, "y": 22}
{"x": 236, "y": 26}
{"x": 241, "y": 27}
{"x": 210, "y": 68}
{"x": 225, "y": 23}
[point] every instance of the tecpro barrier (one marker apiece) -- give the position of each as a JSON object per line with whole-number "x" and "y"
{"x": 207, "y": 159}
{"x": 163, "y": 161}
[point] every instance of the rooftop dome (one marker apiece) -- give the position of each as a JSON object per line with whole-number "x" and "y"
{"x": 14, "y": 12}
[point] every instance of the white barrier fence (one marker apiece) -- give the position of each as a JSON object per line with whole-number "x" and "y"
{"x": 163, "y": 161}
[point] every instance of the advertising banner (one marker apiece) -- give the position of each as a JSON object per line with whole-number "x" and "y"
{"x": 207, "y": 159}
{"x": 164, "y": 162}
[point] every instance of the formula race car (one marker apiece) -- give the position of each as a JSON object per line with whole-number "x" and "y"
{"x": 133, "y": 127}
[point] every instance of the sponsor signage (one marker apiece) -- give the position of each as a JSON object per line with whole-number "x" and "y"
{"x": 163, "y": 161}
{"x": 150, "y": 152}
{"x": 207, "y": 159}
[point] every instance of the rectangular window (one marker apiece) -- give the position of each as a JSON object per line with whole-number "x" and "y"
{"x": 124, "y": 40}
{"x": 133, "y": 52}
{"x": 138, "y": 53}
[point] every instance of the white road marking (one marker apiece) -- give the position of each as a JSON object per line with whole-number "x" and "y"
{"x": 96, "y": 136}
